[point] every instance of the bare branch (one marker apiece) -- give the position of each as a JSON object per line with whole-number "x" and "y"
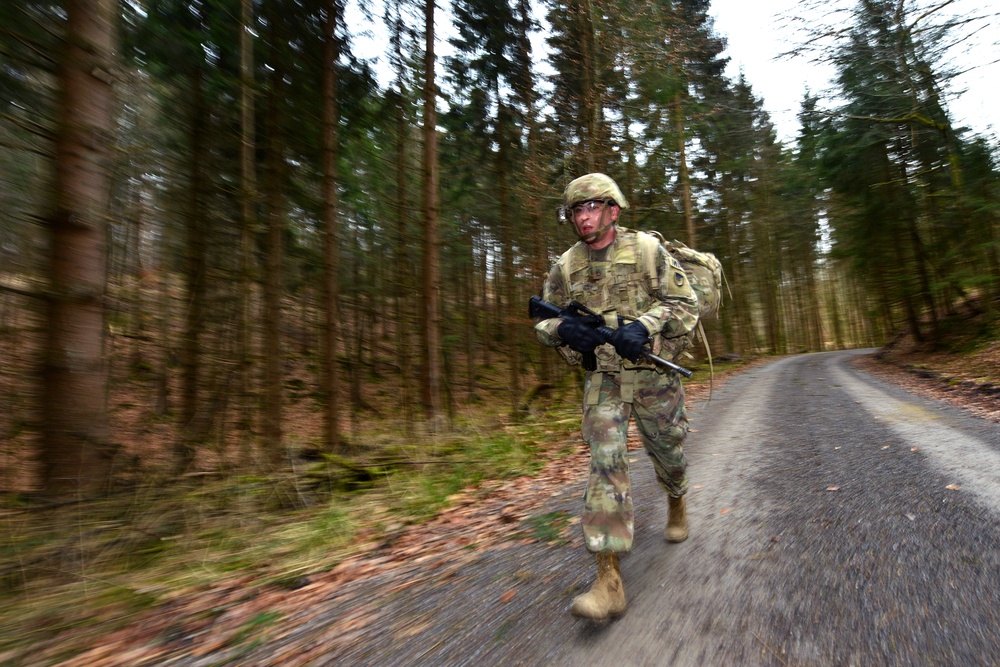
{"x": 23, "y": 292}
{"x": 29, "y": 126}
{"x": 908, "y": 118}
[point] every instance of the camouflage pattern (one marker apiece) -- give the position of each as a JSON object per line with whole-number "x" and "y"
{"x": 593, "y": 186}
{"x": 704, "y": 272}
{"x": 658, "y": 408}
{"x": 640, "y": 280}
{"x": 635, "y": 278}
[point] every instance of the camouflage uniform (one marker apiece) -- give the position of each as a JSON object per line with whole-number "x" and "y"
{"x": 638, "y": 279}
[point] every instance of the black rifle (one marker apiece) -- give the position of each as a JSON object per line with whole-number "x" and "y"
{"x": 543, "y": 310}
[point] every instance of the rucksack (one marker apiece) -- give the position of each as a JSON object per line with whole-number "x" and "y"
{"x": 704, "y": 272}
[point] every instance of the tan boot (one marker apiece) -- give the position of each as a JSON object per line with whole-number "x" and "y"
{"x": 607, "y": 596}
{"x": 677, "y": 522}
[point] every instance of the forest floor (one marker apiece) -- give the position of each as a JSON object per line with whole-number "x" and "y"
{"x": 145, "y": 621}
{"x": 969, "y": 379}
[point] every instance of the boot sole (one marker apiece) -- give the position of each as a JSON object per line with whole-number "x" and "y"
{"x": 610, "y": 615}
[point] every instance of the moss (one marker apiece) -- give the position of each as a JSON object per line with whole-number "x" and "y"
{"x": 547, "y": 527}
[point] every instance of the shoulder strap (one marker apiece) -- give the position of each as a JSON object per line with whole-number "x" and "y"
{"x": 566, "y": 261}
{"x": 647, "y": 246}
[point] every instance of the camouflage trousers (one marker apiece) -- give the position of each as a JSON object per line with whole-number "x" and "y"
{"x": 658, "y": 407}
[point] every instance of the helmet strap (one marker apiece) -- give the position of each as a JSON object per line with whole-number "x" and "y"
{"x": 596, "y": 234}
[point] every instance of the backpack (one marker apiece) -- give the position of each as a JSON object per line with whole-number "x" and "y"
{"x": 704, "y": 272}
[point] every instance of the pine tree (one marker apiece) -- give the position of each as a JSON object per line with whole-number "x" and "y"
{"x": 76, "y": 449}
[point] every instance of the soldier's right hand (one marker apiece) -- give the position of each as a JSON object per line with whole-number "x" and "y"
{"x": 579, "y": 335}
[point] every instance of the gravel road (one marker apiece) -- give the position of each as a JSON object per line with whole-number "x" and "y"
{"x": 836, "y": 520}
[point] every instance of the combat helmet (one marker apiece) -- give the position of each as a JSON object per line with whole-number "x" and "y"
{"x": 592, "y": 186}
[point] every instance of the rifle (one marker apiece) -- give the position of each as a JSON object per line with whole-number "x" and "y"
{"x": 539, "y": 309}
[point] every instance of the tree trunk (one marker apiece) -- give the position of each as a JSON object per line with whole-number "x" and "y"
{"x": 404, "y": 309}
{"x": 590, "y": 97}
{"x": 814, "y": 304}
{"x": 193, "y": 421}
{"x": 909, "y": 305}
{"x": 431, "y": 268}
{"x": 508, "y": 314}
{"x": 248, "y": 213}
{"x": 331, "y": 323}
{"x": 684, "y": 179}
{"x": 834, "y": 312}
{"x": 534, "y": 174}
{"x": 75, "y": 447}
{"x": 271, "y": 427}
{"x": 164, "y": 319}
{"x": 353, "y": 340}
{"x": 482, "y": 272}
{"x": 467, "y": 283}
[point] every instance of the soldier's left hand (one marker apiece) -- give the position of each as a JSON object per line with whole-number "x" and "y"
{"x": 630, "y": 340}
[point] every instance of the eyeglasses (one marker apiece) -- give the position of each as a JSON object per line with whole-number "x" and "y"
{"x": 590, "y": 206}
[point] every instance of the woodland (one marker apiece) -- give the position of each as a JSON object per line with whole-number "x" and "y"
{"x": 233, "y": 260}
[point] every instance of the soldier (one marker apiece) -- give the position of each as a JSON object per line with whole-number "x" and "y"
{"x": 642, "y": 293}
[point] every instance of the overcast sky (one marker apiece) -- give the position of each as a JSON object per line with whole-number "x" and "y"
{"x": 756, "y": 33}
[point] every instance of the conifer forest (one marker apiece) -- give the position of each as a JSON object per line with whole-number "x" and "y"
{"x": 221, "y": 225}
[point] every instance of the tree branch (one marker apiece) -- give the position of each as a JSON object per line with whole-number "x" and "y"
{"x": 22, "y": 292}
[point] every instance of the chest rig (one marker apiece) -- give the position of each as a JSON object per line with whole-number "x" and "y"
{"x": 617, "y": 285}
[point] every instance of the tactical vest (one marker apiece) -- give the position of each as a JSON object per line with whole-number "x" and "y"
{"x": 621, "y": 286}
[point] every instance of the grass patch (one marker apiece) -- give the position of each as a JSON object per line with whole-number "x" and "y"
{"x": 71, "y": 573}
{"x": 547, "y": 527}
{"x": 254, "y": 626}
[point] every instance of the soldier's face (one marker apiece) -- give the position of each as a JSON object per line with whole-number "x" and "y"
{"x": 594, "y": 222}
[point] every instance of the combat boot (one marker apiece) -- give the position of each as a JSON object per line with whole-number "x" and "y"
{"x": 677, "y": 522}
{"x": 607, "y": 596}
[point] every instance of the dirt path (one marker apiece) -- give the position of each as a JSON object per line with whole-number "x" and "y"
{"x": 820, "y": 535}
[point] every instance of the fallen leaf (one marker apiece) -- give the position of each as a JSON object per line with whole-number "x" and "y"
{"x": 508, "y": 514}
{"x": 886, "y": 447}
{"x": 508, "y": 596}
{"x": 833, "y": 488}
{"x": 913, "y": 449}
{"x": 953, "y": 487}
{"x": 725, "y": 510}
{"x": 696, "y": 486}
{"x": 911, "y": 517}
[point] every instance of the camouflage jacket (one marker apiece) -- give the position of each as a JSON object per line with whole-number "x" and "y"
{"x": 639, "y": 280}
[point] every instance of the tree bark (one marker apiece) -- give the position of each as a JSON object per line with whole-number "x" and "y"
{"x": 331, "y": 249}
{"x": 248, "y": 213}
{"x": 75, "y": 448}
{"x": 683, "y": 176}
{"x": 404, "y": 263}
{"x": 510, "y": 300}
{"x": 194, "y": 423}
{"x": 590, "y": 98}
{"x": 271, "y": 427}
{"x": 431, "y": 268}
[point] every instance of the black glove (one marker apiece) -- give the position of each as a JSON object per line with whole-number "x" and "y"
{"x": 579, "y": 335}
{"x": 630, "y": 340}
